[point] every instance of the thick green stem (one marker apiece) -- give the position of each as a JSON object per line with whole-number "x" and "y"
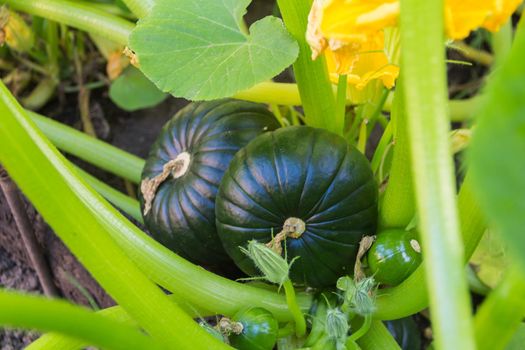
{"x": 36, "y": 312}
{"x": 291, "y": 300}
{"x": 312, "y": 76}
{"x": 502, "y": 312}
{"x": 85, "y": 147}
{"x": 57, "y": 341}
{"x": 397, "y": 206}
{"x": 80, "y": 217}
{"x": 129, "y": 205}
{"x": 139, "y": 7}
{"x": 423, "y": 66}
{"x": 77, "y": 15}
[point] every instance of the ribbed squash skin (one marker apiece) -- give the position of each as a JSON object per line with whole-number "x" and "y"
{"x": 301, "y": 172}
{"x": 182, "y": 216}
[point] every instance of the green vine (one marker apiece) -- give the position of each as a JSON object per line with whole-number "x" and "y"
{"x": 54, "y": 189}
{"x": 316, "y": 91}
{"x": 36, "y": 312}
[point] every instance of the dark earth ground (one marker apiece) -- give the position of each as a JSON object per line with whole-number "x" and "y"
{"x": 133, "y": 132}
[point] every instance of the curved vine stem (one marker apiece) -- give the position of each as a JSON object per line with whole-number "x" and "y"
{"x": 35, "y": 312}
{"x": 90, "y": 149}
{"x": 55, "y": 190}
{"x": 300, "y": 323}
{"x": 58, "y": 341}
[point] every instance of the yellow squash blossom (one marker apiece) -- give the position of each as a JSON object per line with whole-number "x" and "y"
{"x": 351, "y": 32}
{"x": 368, "y": 63}
{"x": 360, "y": 52}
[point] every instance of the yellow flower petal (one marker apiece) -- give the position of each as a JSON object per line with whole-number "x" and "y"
{"x": 501, "y": 12}
{"x": 362, "y": 65}
{"x": 355, "y": 20}
{"x": 463, "y": 16}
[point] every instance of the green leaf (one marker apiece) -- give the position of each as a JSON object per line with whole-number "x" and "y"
{"x": 490, "y": 259}
{"x": 132, "y": 91}
{"x": 497, "y": 151}
{"x": 197, "y": 49}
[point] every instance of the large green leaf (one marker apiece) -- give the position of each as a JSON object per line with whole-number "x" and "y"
{"x": 197, "y": 49}
{"x": 498, "y": 149}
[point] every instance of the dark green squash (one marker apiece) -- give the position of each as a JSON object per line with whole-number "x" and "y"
{"x": 406, "y": 333}
{"x": 394, "y": 255}
{"x": 259, "y": 330}
{"x": 203, "y": 137}
{"x": 305, "y": 173}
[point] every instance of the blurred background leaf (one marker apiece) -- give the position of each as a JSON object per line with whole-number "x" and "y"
{"x": 132, "y": 91}
{"x": 490, "y": 260}
{"x": 497, "y": 154}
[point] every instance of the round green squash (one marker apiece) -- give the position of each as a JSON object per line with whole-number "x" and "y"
{"x": 259, "y": 330}
{"x": 201, "y": 139}
{"x": 393, "y": 256}
{"x": 306, "y": 178}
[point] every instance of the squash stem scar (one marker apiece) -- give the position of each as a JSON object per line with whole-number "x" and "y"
{"x": 292, "y": 227}
{"x": 176, "y": 167}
